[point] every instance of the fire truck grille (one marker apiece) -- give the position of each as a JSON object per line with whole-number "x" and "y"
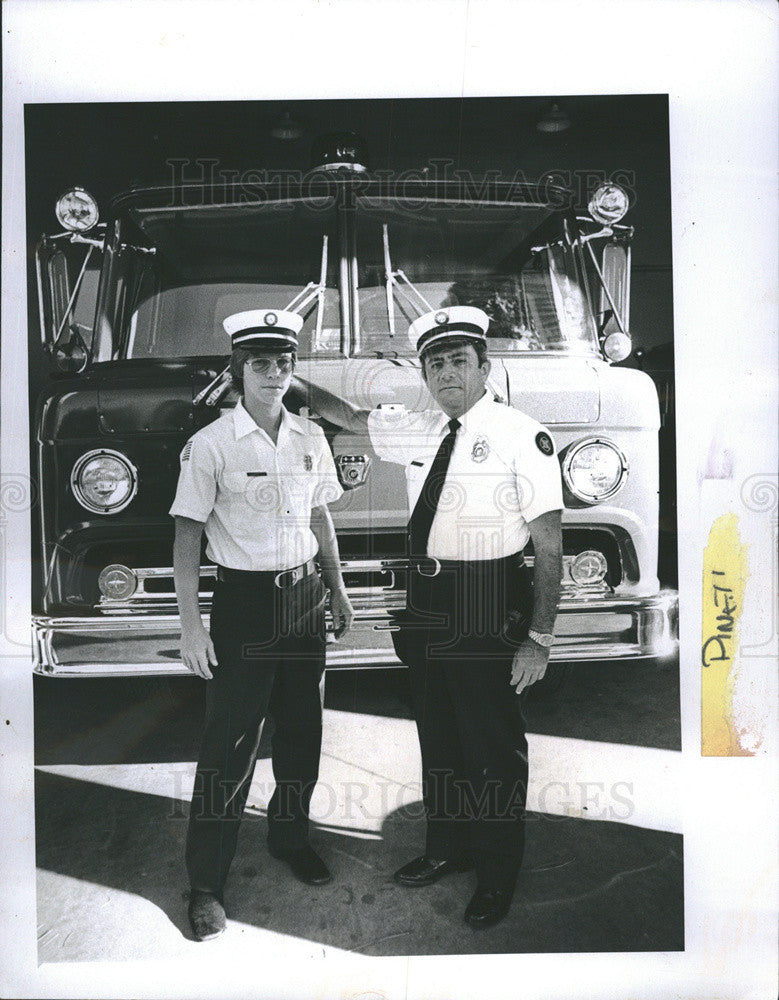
{"x": 377, "y": 583}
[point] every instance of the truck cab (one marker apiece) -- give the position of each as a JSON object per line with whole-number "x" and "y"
{"x": 131, "y": 320}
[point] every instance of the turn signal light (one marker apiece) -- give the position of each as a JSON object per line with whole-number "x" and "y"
{"x": 117, "y": 582}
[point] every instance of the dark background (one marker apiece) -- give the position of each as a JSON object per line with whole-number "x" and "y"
{"x": 591, "y": 886}
{"x": 107, "y": 148}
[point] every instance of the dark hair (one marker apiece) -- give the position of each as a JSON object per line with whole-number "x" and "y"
{"x": 446, "y": 345}
{"x": 241, "y": 355}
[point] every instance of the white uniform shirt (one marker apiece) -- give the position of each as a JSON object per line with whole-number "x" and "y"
{"x": 503, "y": 473}
{"x": 254, "y": 497}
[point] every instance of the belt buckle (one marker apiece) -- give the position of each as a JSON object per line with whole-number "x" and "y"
{"x": 293, "y": 575}
{"x": 436, "y": 567}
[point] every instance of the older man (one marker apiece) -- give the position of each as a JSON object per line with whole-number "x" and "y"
{"x": 257, "y": 481}
{"x": 483, "y": 480}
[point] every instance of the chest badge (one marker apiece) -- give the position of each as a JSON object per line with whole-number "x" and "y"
{"x": 544, "y": 443}
{"x": 308, "y": 463}
{"x": 480, "y": 450}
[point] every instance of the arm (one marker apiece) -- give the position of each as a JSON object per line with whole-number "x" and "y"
{"x": 530, "y": 659}
{"x": 338, "y": 411}
{"x": 329, "y": 559}
{"x": 197, "y": 650}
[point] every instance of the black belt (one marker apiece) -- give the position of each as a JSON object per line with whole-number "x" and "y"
{"x": 430, "y": 566}
{"x": 283, "y": 579}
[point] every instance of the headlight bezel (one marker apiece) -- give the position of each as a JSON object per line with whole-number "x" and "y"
{"x": 77, "y": 486}
{"x": 570, "y": 457}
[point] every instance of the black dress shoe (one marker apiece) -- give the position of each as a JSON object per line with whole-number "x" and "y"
{"x": 206, "y": 915}
{"x": 425, "y": 871}
{"x": 306, "y": 865}
{"x": 487, "y": 907}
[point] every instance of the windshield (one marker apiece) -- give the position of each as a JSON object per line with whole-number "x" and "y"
{"x": 477, "y": 255}
{"x": 209, "y": 263}
{"x": 173, "y": 275}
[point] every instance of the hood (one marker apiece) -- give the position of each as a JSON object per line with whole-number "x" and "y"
{"x": 553, "y": 389}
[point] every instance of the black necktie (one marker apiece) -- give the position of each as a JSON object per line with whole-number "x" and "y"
{"x": 421, "y": 519}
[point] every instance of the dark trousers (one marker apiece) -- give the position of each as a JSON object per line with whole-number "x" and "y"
{"x": 270, "y": 648}
{"x": 470, "y": 724}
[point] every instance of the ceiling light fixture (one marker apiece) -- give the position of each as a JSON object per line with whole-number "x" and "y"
{"x": 286, "y": 128}
{"x": 554, "y": 119}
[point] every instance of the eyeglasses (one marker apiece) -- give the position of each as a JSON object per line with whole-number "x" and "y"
{"x": 261, "y": 366}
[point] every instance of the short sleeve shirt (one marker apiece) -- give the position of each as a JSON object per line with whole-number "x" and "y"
{"x": 503, "y": 474}
{"x": 255, "y": 498}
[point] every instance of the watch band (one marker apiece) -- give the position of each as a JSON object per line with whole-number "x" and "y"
{"x": 542, "y": 638}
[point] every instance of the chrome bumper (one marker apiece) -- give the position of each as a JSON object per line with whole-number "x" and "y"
{"x": 129, "y": 644}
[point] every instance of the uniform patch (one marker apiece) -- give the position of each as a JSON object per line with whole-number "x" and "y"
{"x": 308, "y": 463}
{"x": 544, "y": 443}
{"x": 480, "y": 450}
{"x": 187, "y": 451}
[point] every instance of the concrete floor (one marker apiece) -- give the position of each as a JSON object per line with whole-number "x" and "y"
{"x": 603, "y": 865}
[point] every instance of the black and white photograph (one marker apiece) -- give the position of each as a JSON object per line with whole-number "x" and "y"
{"x": 346, "y": 236}
{"x": 353, "y": 502}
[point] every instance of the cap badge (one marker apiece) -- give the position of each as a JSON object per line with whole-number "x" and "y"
{"x": 441, "y": 318}
{"x": 480, "y": 450}
{"x": 544, "y": 443}
{"x": 271, "y": 319}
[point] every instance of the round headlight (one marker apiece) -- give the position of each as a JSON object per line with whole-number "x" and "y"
{"x": 77, "y": 210}
{"x": 104, "y": 481}
{"x": 594, "y": 470}
{"x": 608, "y": 204}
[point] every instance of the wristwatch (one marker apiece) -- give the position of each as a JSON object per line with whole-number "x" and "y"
{"x": 542, "y": 638}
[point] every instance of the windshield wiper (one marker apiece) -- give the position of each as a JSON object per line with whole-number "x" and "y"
{"x": 391, "y": 279}
{"x": 313, "y": 290}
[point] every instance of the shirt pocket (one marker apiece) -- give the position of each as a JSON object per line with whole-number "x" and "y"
{"x": 416, "y": 472}
{"x": 258, "y": 493}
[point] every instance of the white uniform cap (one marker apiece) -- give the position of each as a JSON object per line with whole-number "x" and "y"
{"x": 446, "y": 323}
{"x": 264, "y": 328}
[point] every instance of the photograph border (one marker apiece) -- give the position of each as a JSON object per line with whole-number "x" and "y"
{"x": 723, "y": 166}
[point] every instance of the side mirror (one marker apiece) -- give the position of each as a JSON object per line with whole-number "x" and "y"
{"x": 66, "y": 311}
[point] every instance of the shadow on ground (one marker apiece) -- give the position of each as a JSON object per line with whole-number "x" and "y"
{"x": 158, "y": 719}
{"x": 585, "y": 885}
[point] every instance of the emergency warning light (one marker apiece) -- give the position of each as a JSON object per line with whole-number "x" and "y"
{"x": 77, "y": 210}
{"x": 608, "y": 204}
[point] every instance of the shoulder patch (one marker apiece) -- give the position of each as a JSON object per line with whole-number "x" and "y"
{"x": 186, "y": 452}
{"x": 544, "y": 443}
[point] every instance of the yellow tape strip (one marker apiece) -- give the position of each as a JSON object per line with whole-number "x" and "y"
{"x": 725, "y": 571}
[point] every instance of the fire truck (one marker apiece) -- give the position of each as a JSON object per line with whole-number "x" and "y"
{"x": 131, "y": 312}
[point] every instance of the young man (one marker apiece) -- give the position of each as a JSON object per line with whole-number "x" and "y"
{"x": 482, "y": 480}
{"x": 257, "y": 481}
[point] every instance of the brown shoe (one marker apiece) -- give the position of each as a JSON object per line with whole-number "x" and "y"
{"x": 206, "y": 915}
